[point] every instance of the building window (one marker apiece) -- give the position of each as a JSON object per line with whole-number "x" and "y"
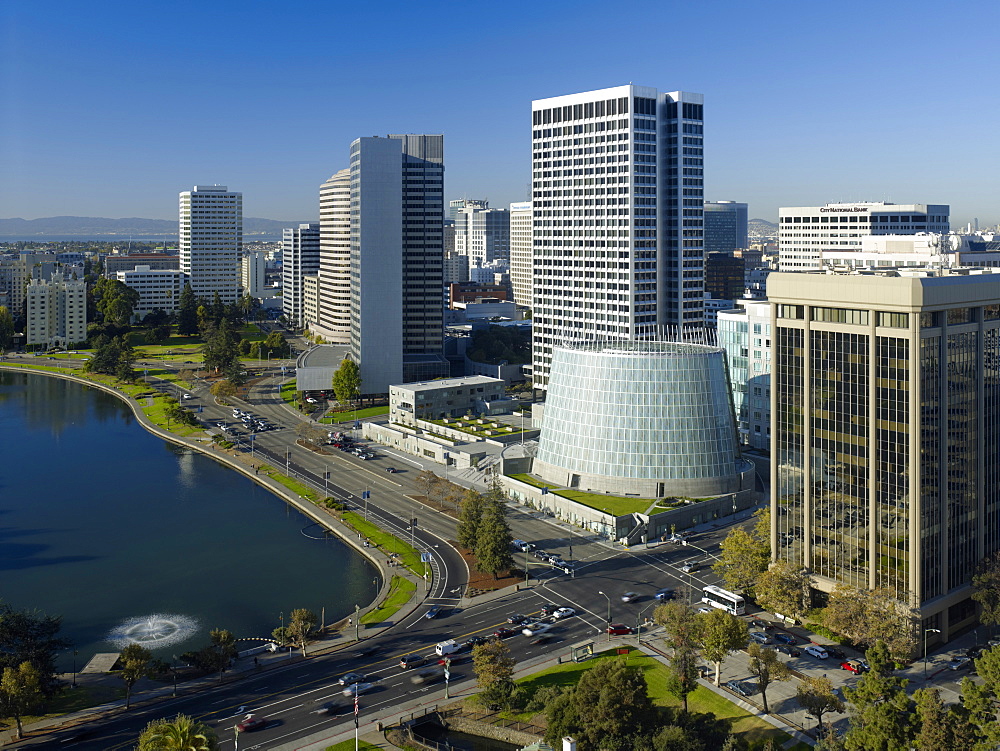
{"x": 930, "y": 320}
{"x": 894, "y": 320}
{"x": 840, "y": 315}
{"x": 959, "y": 315}
{"x": 795, "y": 312}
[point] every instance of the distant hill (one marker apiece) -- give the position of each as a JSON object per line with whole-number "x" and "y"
{"x": 95, "y": 227}
{"x": 761, "y": 228}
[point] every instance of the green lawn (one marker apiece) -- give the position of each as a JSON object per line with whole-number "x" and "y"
{"x": 613, "y": 504}
{"x": 526, "y": 478}
{"x": 348, "y": 414}
{"x": 750, "y": 727}
{"x": 480, "y": 431}
{"x": 400, "y": 590}
{"x": 349, "y": 746}
{"x": 408, "y": 555}
{"x": 289, "y": 393}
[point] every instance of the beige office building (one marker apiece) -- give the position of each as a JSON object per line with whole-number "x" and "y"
{"x": 885, "y": 404}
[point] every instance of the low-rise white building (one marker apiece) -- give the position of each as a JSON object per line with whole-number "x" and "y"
{"x": 447, "y": 398}
{"x": 158, "y": 288}
{"x": 57, "y": 311}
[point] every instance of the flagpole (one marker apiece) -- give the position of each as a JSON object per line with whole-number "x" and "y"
{"x": 356, "y": 710}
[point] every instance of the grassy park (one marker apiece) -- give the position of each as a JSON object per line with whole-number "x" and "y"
{"x": 400, "y": 590}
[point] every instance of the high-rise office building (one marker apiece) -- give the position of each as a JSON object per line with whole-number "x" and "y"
{"x": 885, "y": 424}
{"x": 745, "y": 334}
{"x": 253, "y": 272}
{"x": 211, "y": 240}
{"x": 725, "y": 226}
{"x": 806, "y": 232}
{"x": 334, "y": 276}
{"x": 520, "y": 252}
{"x": 617, "y": 204}
{"x": 397, "y": 258}
{"x": 481, "y": 233}
{"x": 299, "y": 258}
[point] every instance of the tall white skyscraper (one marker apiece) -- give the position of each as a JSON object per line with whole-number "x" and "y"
{"x": 392, "y": 298}
{"x": 520, "y": 252}
{"x": 334, "y": 277}
{"x": 211, "y": 240}
{"x": 617, "y": 205}
{"x": 57, "y": 311}
{"x": 299, "y": 258}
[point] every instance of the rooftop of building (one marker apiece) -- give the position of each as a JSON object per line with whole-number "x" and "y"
{"x": 448, "y": 383}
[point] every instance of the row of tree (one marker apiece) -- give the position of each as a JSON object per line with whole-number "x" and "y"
{"x": 483, "y": 529}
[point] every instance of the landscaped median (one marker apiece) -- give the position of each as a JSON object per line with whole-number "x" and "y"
{"x": 406, "y": 555}
{"x": 400, "y": 590}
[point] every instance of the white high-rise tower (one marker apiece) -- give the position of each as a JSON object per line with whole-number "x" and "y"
{"x": 617, "y": 205}
{"x": 211, "y": 240}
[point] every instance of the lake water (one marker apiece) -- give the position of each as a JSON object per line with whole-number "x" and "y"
{"x": 119, "y": 531}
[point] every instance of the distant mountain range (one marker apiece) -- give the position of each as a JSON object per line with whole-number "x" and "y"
{"x": 761, "y": 228}
{"x": 101, "y": 227}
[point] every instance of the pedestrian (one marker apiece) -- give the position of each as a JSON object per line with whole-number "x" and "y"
{"x": 350, "y": 622}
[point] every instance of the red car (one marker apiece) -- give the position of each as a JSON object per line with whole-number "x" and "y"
{"x": 855, "y": 666}
{"x": 251, "y": 722}
{"x": 618, "y": 629}
{"x": 503, "y": 633}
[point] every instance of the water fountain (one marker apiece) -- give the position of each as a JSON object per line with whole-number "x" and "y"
{"x": 153, "y": 631}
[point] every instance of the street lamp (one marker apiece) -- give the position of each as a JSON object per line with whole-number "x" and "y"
{"x": 75, "y": 652}
{"x": 928, "y": 631}
{"x": 609, "y": 613}
{"x": 638, "y": 624}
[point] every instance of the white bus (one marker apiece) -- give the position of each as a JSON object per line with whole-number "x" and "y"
{"x": 720, "y": 598}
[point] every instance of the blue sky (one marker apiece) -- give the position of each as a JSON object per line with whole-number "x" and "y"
{"x": 111, "y": 108}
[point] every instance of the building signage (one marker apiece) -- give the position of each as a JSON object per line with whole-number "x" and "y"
{"x": 848, "y": 210}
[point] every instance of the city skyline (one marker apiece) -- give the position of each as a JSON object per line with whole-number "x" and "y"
{"x": 111, "y": 112}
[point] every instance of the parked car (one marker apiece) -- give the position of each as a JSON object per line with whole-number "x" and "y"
{"x": 786, "y": 650}
{"x": 250, "y": 723}
{"x": 358, "y": 688}
{"x": 762, "y": 625}
{"x": 663, "y": 595}
{"x": 630, "y": 597}
{"x": 855, "y": 666}
{"x": 785, "y": 638}
{"x": 411, "y": 661}
{"x": 817, "y": 651}
{"x": 835, "y": 652}
{"x": 563, "y": 613}
{"x": 959, "y": 662}
{"x": 349, "y": 679}
{"x": 619, "y": 629}
{"x": 760, "y": 637}
{"x": 740, "y": 687}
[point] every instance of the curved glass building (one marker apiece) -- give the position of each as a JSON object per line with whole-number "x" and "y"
{"x": 646, "y": 418}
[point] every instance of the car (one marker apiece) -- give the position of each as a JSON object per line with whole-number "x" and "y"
{"x": 391, "y": 470}
{"x": 665, "y": 594}
{"x": 543, "y": 639}
{"x": 619, "y": 629}
{"x": 474, "y": 642}
{"x": 760, "y": 637}
{"x": 563, "y": 613}
{"x": 786, "y": 650}
{"x": 740, "y": 687}
{"x": 835, "y": 652}
{"x": 519, "y": 545}
{"x": 630, "y": 597}
{"x": 503, "y": 632}
{"x": 534, "y": 629}
{"x": 517, "y": 619}
{"x": 688, "y": 567}
{"x": 704, "y": 609}
{"x": 549, "y": 609}
{"x": 855, "y": 666}
{"x": 762, "y": 625}
{"x": 541, "y": 555}
{"x": 785, "y": 638}
{"x": 677, "y": 537}
{"x": 411, "y": 661}
{"x": 349, "y": 679}
{"x": 817, "y": 651}
{"x": 452, "y": 659}
{"x": 250, "y": 723}
{"x": 433, "y": 612}
{"x": 427, "y": 675}
{"x": 975, "y": 652}
{"x": 358, "y": 688}
{"x": 188, "y": 396}
{"x": 330, "y": 708}
{"x": 959, "y": 662}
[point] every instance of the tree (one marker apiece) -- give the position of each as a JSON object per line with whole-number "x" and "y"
{"x": 183, "y": 733}
{"x": 815, "y": 695}
{"x": 881, "y": 719}
{"x": 347, "y": 381}
{"x": 494, "y": 669}
{"x": 494, "y": 542}
{"x": 31, "y": 636}
{"x": 221, "y": 351}
{"x": 867, "y": 616}
{"x": 986, "y": 582}
{"x": 135, "y": 661}
{"x": 721, "y": 633}
{"x": 979, "y": 715}
{"x": 223, "y": 389}
{"x": 20, "y": 692}
{"x": 934, "y": 732}
{"x": 784, "y": 589}
{"x": 301, "y": 626}
{"x": 682, "y": 626}
{"x": 115, "y": 300}
{"x": 222, "y": 648}
{"x": 187, "y": 312}
{"x": 743, "y": 558}
{"x": 6, "y": 329}
{"x": 765, "y": 666}
{"x": 469, "y": 515}
{"x": 683, "y": 676}
{"x": 112, "y": 357}
{"x": 426, "y": 479}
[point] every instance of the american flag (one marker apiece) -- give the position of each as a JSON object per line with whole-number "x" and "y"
{"x": 356, "y": 710}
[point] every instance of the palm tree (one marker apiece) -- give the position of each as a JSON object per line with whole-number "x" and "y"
{"x": 182, "y": 734}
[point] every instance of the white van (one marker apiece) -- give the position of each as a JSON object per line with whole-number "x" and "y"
{"x": 446, "y": 648}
